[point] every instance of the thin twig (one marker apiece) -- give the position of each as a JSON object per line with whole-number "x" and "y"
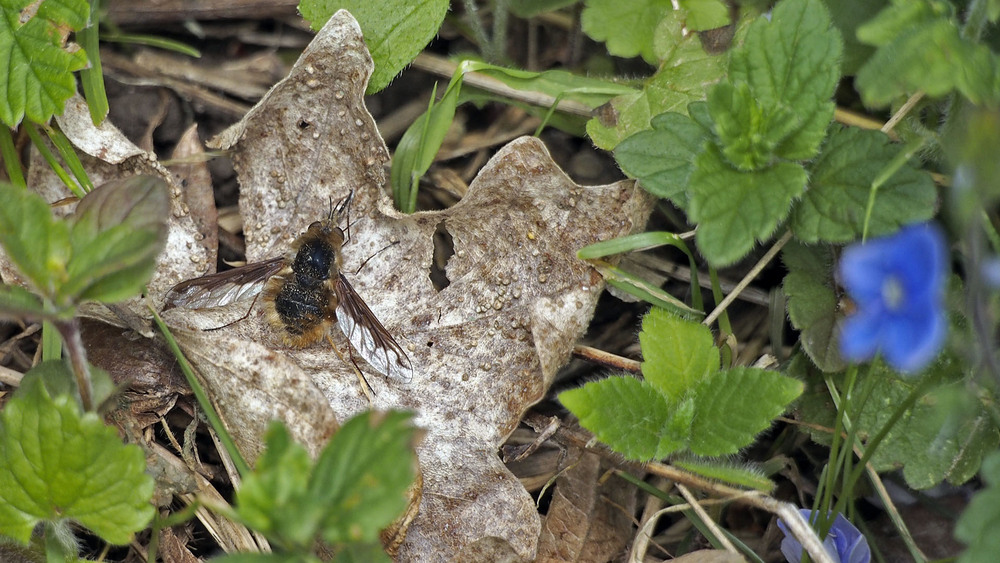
{"x": 903, "y": 110}
{"x": 607, "y": 359}
{"x": 706, "y": 519}
{"x": 764, "y": 261}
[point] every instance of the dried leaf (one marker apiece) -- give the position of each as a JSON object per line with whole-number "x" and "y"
{"x": 588, "y": 520}
{"x": 485, "y": 347}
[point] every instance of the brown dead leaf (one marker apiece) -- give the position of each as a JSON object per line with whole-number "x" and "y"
{"x": 587, "y": 521}
{"x": 485, "y": 347}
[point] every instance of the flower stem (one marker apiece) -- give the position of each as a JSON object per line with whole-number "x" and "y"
{"x": 70, "y": 331}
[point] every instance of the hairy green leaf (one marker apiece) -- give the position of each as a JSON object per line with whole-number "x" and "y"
{"x": 58, "y": 463}
{"x": 662, "y": 158}
{"x": 733, "y": 406}
{"x": 631, "y": 416}
{"x": 677, "y": 354}
{"x": 395, "y": 30}
{"x": 733, "y": 208}
{"x": 791, "y": 65}
{"x": 16, "y": 301}
{"x": 812, "y": 303}
{"x": 38, "y": 64}
{"x": 745, "y": 476}
{"x": 356, "y": 488}
{"x": 840, "y": 183}
{"x": 705, "y": 14}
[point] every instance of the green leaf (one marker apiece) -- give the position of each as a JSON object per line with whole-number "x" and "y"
{"x": 662, "y": 158}
{"x": 362, "y": 476}
{"x": 395, "y": 30}
{"x": 631, "y": 416}
{"x": 920, "y": 47}
{"x": 118, "y": 231}
{"x": 626, "y": 27}
{"x": 685, "y": 74}
{"x": 748, "y": 134}
{"x": 677, "y": 354}
{"x": 733, "y": 406}
{"x": 355, "y": 489}
{"x": 979, "y": 522}
{"x": 274, "y": 500}
{"x": 847, "y": 16}
{"x": 362, "y": 553}
{"x": 705, "y": 14}
{"x": 791, "y": 65}
{"x": 38, "y": 65}
{"x": 16, "y": 301}
{"x": 642, "y": 289}
{"x": 840, "y": 182}
{"x": 944, "y": 436}
{"x": 57, "y": 463}
{"x": 812, "y": 303}
{"x": 35, "y": 241}
{"x": 733, "y": 208}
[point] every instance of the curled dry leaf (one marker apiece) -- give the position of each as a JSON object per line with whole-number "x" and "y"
{"x": 484, "y": 348}
{"x": 590, "y": 517}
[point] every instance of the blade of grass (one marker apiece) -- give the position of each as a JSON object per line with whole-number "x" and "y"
{"x": 50, "y": 158}
{"x": 202, "y": 396}
{"x": 69, "y": 156}
{"x": 11, "y": 162}
{"x": 92, "y": 78}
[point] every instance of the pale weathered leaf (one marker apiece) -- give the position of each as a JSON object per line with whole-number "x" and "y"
{"x": 484, "y": 348}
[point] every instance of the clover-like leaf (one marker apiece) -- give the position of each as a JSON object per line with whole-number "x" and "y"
{"x": 677, "y": 354}
{"x": 651, "y": 427}
{"x": 733, "y": 406}
{"x": 38, "y": 64}
{"x": 58, "y": 463}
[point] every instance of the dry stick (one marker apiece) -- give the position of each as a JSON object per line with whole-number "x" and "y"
{"x": 788, "y": 512}
{"x": 706, "y": 519}
{"x": 903, "y": 110}
{"x": 764, "y": 260}
{"x": 606, "y": 359}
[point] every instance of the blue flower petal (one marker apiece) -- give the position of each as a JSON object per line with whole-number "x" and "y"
{"x": 897, "y": 283}
{"x": 844, "y": 542}
{"x": 914, "y": 341}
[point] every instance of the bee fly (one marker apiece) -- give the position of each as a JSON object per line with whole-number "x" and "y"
{"x": 304, "y": 294}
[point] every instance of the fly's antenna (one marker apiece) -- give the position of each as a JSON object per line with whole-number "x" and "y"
{"x": 342, "y": 210}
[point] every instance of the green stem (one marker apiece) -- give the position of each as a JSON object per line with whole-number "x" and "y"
{"x": 11, "y": 162}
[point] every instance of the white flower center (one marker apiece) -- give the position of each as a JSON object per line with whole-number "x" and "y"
{"x": 892, "y": 292}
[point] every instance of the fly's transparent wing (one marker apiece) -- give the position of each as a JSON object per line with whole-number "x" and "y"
{"x": 367, "y": 335}
{"x": 223, "y": 288}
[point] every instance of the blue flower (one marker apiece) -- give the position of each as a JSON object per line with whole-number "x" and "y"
{"x": 897, "y": 283}
{"x": 844, "y": 542}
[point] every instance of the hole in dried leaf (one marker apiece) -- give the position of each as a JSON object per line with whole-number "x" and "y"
{"x": 444, "y": 249}
{"x": 303, "y": 124}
